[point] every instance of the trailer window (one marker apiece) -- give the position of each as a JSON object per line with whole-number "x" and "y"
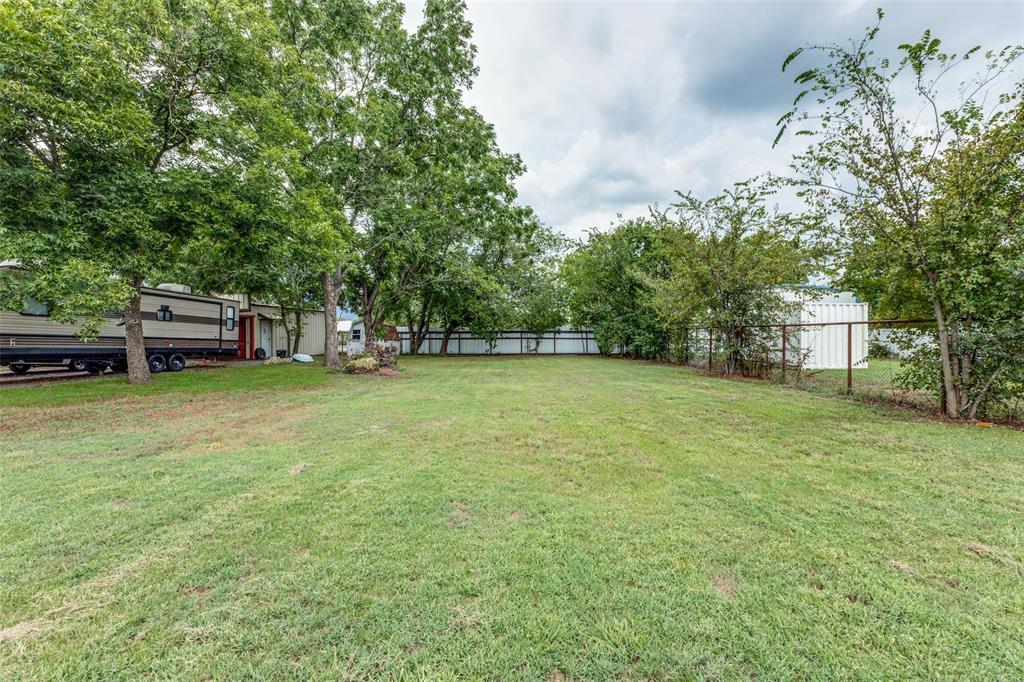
{"x": 164, "y": 314}
{"x": 36, "y": 308}
{"x": 229, "y": 323}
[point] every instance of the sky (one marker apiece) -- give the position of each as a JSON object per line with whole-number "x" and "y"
{"x": 614, "y": 106}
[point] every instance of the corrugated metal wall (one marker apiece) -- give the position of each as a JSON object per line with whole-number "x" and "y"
{"x": 825, "y": 347}
{"x": 313, "y": 325}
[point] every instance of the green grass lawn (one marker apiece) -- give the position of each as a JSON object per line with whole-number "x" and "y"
{"x": 537, "y": 518}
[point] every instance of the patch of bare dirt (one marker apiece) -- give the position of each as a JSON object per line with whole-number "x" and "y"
{"x": 200, "y": 593}
{"x": 459, "y": 514}
{"x": 984, "y": 551}
{"x": 725, "y": 583}
{"x": 901, "y": 566}
{"x": 465, "y": 617}
{"x": 20, "y": 630}
{"x": 299, "y": 468}
{"x": 559, "y": 676}
{"x": 387, "y": 372}
{"x": 515, "y": 516}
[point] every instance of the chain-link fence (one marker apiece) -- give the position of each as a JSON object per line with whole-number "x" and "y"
{"x": 870, "y": 359}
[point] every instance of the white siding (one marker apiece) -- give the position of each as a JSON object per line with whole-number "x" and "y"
{"x": 826, "y": 346}
{"x": 565, "y": 341}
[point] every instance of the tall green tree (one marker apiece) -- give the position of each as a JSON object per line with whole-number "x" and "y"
{"x": 453, "y": 177}
{"x": 918, "y": 183}
{"x": 106, "y": 112}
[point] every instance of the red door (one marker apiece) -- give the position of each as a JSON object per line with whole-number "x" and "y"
{"x": 242, "y": 338}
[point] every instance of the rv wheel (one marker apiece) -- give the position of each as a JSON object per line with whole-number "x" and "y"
{"x": 119, "y": 365}
{"x": 261, "y": 354}
{"x": 176, "y": 362}
{"x": 78, "y": 365}
{"x": 18, "y": 369}
{"x": 157, "y": 363}
{"x": 95, "y": 368}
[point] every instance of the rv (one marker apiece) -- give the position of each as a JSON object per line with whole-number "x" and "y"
{"x": 177, "y": 325}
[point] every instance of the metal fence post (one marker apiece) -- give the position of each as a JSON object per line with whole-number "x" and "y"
{"x": 849, "y": 358}
{"x": 711, "y": 346}
{"x": 784, "y": 335}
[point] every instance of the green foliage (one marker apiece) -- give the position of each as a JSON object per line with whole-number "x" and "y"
{"x": 727, "y": 258}
{"x": 923, "y": 203}
{"x": 109, "y": 114}
{"x": 609, "y": 287}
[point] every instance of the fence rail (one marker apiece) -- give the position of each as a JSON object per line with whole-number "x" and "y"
{"x": 869, "y": 358}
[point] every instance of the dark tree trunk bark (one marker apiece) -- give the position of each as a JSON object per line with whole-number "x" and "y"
{"x": 297, "y": 335}
{"x": 135, "y": 339}
{"x": 444, "y": 340}
{"x": 287, "y": 329}
{"x": 332, "y": 292}
{"x": 371, "y": 320}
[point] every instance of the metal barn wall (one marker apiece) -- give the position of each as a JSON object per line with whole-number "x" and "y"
{"x": 826, "y": 346}
{"x": 313, "y": 326}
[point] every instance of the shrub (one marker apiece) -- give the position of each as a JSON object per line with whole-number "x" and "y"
{"x": 364, "y": 364}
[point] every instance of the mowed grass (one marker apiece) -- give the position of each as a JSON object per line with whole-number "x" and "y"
{"x": 505, "y": 518}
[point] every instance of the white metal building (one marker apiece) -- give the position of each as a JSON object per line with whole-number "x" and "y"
{"x": 821, "y": 340}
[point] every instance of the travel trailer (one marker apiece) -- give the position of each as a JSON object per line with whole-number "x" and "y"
{"x": 177, "y": 325}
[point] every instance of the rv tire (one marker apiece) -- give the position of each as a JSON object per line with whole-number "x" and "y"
{"x": 78, "y": 365}
{"x": 176, "y": 363}
{"x": 157, "y": 363}
{"x": 19, "y": 368}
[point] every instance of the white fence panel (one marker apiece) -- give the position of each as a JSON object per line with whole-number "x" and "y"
{"x": 564, "y": 341}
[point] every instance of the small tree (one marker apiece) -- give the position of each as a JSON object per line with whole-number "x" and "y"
{"x": 609, "y": 288}
{"x": 921, "y": 189}
{"x": 727, "y": 257}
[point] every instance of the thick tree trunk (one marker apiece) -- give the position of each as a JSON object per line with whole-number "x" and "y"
{"x": 332, "y": 292}
{"x": 135, "y": 339}
{"x": 444, "y": 340}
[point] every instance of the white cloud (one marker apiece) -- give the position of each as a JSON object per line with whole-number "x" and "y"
{"x": 614, "y": 106}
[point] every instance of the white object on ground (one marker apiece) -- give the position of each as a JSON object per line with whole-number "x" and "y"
{"x": 302, "y": 357}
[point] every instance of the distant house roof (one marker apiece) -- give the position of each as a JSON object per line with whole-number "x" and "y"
{"x": 344, "y": 326}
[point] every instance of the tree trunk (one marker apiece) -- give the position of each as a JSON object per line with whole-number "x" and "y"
{"x": 444, "y": 340}
{"x": 134, "y": 338}
{"x": 949, "y": 385}
{"x": 287, "y": 329}
{"x": 297, "y": 336}
{"x": 332, "y": 292}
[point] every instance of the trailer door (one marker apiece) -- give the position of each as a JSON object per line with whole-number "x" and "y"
{"x": 266, "y": 337}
